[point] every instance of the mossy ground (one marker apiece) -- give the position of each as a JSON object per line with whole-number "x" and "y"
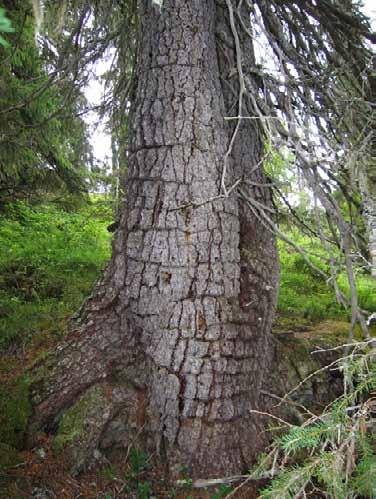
{"x": 305, "y": 296}
{"x": 49, "y": 259}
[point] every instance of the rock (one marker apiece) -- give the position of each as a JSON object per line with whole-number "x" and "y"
{"x": 294, "y": 362}
{"x": 41, "y": 493}
{"x": 41, "y": 453}
{"x": 80, "y": 429}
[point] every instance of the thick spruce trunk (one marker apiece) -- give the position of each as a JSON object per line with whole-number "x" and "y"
{"x": 175, "y": 338}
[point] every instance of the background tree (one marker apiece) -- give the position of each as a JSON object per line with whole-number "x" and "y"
{"x": 44, "y": 146}
{"x": 174, "y": 344}
{"x": 5, "y": 27}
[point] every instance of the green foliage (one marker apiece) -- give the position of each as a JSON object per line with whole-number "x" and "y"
{"x": 144, "y": 490}
{"x": 139, "y": 464}
{"x": 43, "y": 144}
{"x": 222, "y": 492}
{"x": 109, "y": 473}
{"x": 289, "y": 484}
{"x": 138, "y": 461}
{"x": 49, "y": 260}
{"x": 309, "y": 437}
{"x": 5, "y": 27}
{"x": 364, "y": 479}
{"x": 305, "y": 294}
{"x": 333, "y": 454}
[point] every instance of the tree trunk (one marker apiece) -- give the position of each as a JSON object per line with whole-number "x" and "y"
{"x": 175, "y": 337}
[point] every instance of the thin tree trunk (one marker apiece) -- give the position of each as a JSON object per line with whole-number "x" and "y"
{"x": 177, "y": 332}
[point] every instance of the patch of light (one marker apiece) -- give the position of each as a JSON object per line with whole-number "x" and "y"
{"x": 159, "y": 3}
{"x": 100, "y": 137}
{"x": 369, "y": 10}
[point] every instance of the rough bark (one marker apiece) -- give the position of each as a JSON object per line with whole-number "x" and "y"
{"x": 176, "y": 334}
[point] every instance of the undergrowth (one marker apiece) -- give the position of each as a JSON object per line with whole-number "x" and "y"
{"x": 49, "y": 259}
{"x": 306, "y": 295}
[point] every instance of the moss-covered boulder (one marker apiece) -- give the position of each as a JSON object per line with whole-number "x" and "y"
{"x": 80, "y": 428}
{"x": 299, "y": 373}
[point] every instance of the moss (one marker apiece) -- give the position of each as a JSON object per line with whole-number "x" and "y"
{"x": 297, "y": 346}
{"x": 74, "y": 429}
{"x": 296, "y": 358}
{"x": 372, "y": 330}
{"x": 328, "y": 333}
{"x": 15, "y": 411}
{"x": 295, "y": 362}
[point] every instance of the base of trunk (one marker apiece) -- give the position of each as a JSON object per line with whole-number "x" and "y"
{"x": 111, "y": 417}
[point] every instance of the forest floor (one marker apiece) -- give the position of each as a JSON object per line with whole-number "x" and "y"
{"x": 39, "y": 473}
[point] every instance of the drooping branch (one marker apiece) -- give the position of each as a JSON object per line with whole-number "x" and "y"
{"x": 308, "y": 92}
